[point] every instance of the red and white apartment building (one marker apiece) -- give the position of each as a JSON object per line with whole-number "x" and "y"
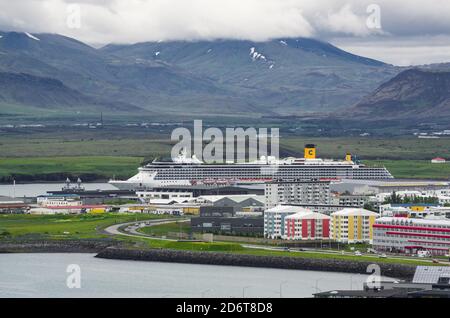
{"x": 406, "y": 235}
{"x": 307, "y": 226}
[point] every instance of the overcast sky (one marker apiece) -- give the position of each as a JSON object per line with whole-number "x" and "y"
{"x": 412, "y": 31}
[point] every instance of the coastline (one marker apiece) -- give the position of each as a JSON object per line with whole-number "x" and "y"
{"x": 57, "y": 246}
{"x": 398, "y": 271}
{"x": 110, "y": 249}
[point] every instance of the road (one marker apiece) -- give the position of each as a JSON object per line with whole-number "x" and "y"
{"x": 133, "y": 226}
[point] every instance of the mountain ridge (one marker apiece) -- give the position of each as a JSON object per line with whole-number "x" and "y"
{"x": 231, "y": 77}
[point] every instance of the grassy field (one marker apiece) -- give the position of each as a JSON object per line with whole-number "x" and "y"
{"x": 96, "y": 153}
{"x": 373, "y": 148}
{"x": 54, "y": 226}
{"x": 165, "y": 229}
{"x": 419, "y": 169}
{"x": 106, "y": 167}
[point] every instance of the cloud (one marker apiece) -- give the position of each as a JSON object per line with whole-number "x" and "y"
{"x": 129, "y": 21}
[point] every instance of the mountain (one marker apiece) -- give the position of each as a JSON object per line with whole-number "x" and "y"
{"x": 47, "y": 93}
{"x": 223, "y": 77}
{"x": 284, "y": 76}
{"x": 414, "y": 94}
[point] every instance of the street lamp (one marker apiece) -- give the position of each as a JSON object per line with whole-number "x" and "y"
{"x": 281, "y": 287}
{"x": 243, "y": 290}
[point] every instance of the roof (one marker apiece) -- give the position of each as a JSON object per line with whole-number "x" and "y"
{"x": 236, "y": 198}
{"x": 438, "y": 159}
{"x": 168, "y": 201}
{"x": 384, "y": 293}
{"x": 354, "y": 212}
{"x": 288, "y": 209}
{"x": 413, "y": 221}
{"x": 430, "y": 274}
{"x": 307, "y": 215}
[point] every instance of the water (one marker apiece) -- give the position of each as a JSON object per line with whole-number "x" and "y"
{"x": 44, "y": 275}
{"x": 35, "y": 189}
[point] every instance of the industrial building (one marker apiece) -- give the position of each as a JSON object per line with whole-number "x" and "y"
{"x": 353, "y": 225}
{"x": 297, "y": 192}
{"x": 193, "y": 191}
{"x": 237, "y": 202}
{"x": 405, "y": 235}
{"x": 428, "y": 282}
{"x": 224, "y": 220}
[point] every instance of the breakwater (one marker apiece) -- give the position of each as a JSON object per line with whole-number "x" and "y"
{"x": 212, "y": 258}
{"x": 56, "y": 246}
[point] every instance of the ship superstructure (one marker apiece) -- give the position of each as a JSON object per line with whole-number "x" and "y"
{"x": 185, "y": 170}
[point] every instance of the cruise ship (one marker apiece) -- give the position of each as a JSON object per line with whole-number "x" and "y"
{"x": 185, "y": 171}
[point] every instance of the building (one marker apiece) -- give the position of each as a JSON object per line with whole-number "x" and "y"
{"x": 353, "y": 225}
{"x": 351, "y": 200}
{"x": 406, "y": 235}
{"x": 224, "y": 220}
{"x": 428, "y": 282}
{"x": 12, "y": 205}
{"x": 59, "y": 200}
{"x": 193, "y": 191}
{"x": 297, "y": 192}
{"x": 373, "y": 187}
{"x": 237, "y": 202}
{"x": 326, "y": 209}
{"x": 438, "y": 160}
{"x": 306, "y": 226}
{"x": 408, "y": 207}
{"x": 274, "y": 219}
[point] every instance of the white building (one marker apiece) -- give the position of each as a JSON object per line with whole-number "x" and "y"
{"x": 297, "y": 192}
{"x": 438, "y": 160}
{"x": 66, "y": 200}
{"x": 152, "y": 195}
{"x": 407, "y": 235}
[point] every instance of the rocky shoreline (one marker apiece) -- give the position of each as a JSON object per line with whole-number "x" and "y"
{"x": 49, "y": 246}
{"x": 110, "y": 249}
{"x": 398, "y": 271}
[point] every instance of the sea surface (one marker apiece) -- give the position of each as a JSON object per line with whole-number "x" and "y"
{"x": 46, "y": 275}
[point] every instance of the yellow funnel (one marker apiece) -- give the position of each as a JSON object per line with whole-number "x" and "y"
{"x": 348, "y": 157}
{"x": 310, "y": 151}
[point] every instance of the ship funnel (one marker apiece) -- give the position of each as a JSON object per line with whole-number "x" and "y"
{"x": 310, "y": 151}
{"x": 348, "y": 156}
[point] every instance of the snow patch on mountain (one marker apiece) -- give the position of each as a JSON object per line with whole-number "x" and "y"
{"x": 31, "y": 36}
{"x": 255, "y": 55}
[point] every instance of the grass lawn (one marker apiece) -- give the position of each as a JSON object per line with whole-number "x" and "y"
{"x": 53, "y": 226}
{"x": 419, "y": 169}
{"x": 165, "y": 229}
{"x": 372, "y": 148}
